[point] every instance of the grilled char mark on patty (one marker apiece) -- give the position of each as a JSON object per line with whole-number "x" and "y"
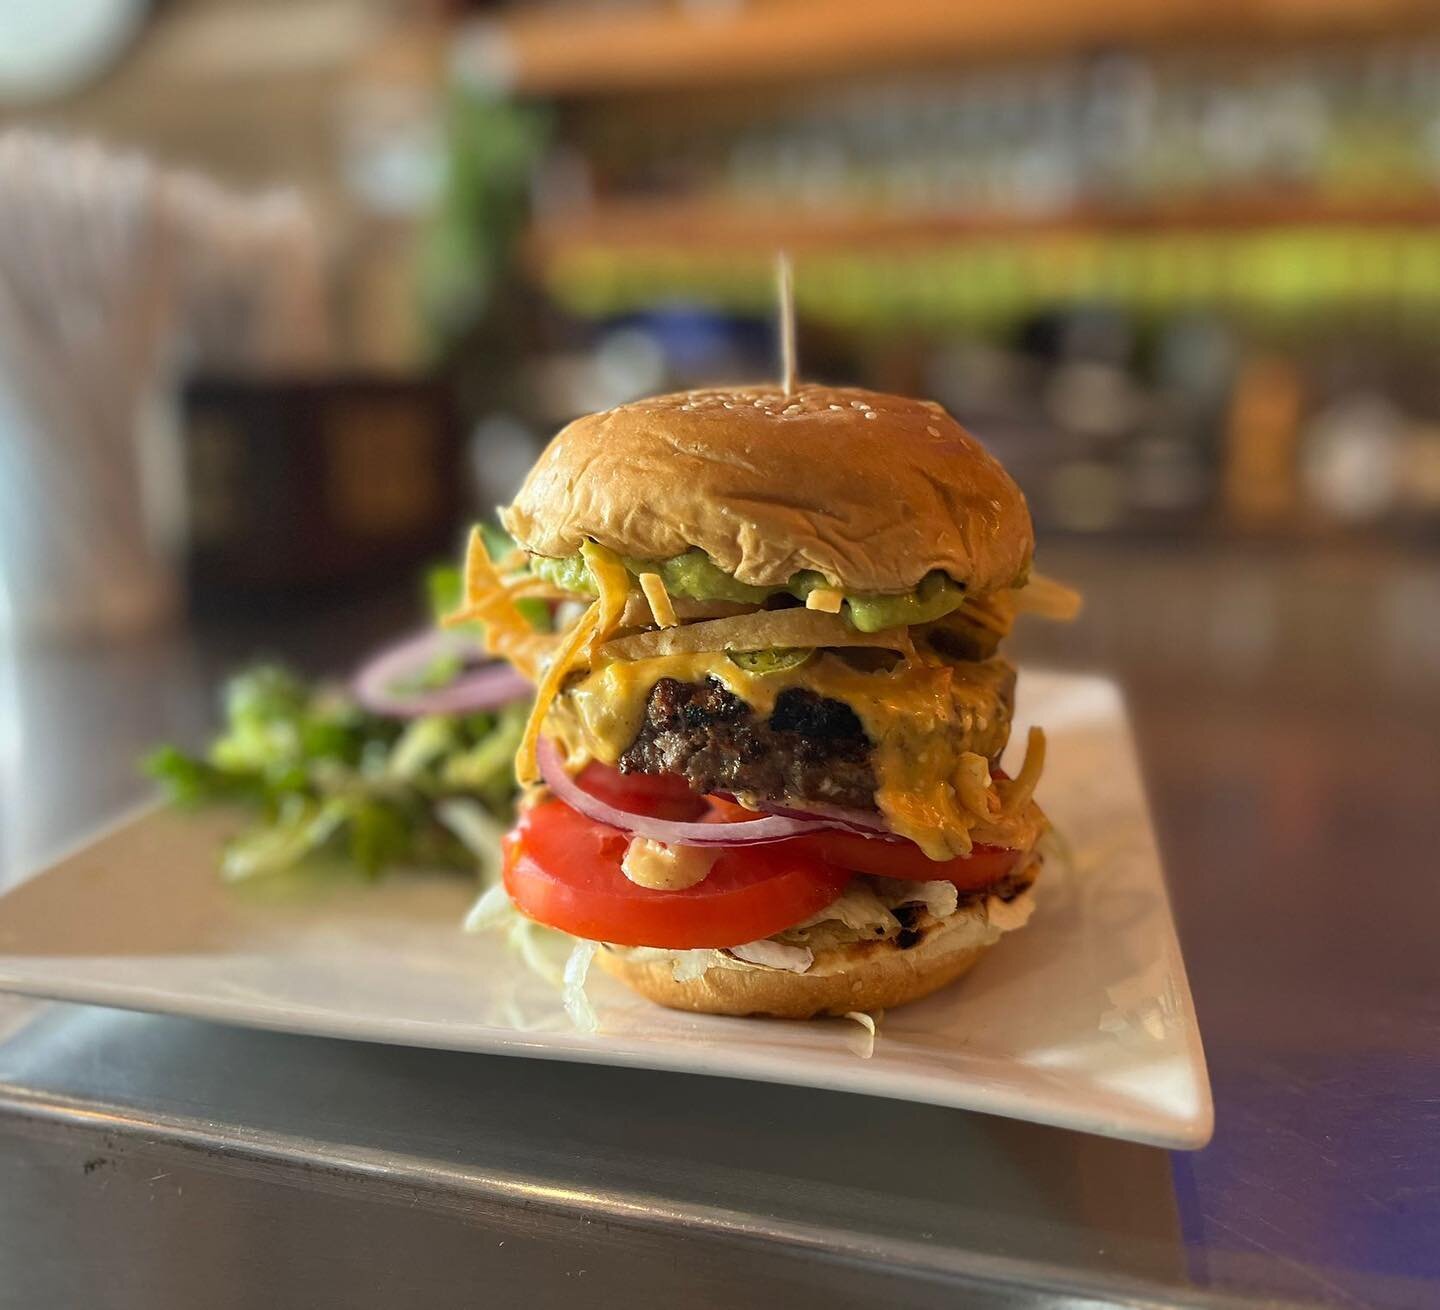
{"x": 811, "y": 748}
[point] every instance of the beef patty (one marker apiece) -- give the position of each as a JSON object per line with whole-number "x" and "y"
{"x": 810, "y": 748}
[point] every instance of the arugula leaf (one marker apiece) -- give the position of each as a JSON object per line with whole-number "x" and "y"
{"x": 444, "y": 588}
{"x": 329, "y": 780}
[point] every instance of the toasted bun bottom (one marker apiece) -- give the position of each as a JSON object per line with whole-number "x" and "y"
{"x": 866, "y": 976}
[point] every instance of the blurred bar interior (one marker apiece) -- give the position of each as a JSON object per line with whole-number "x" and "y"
{"x": 1178, "y": 263}
{"x": 291, "y": 290}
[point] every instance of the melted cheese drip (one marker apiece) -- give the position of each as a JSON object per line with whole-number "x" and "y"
{"x": 919, "y": 718}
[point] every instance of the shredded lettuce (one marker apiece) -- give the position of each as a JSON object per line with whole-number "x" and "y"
{"x": 492, "y": 910}
{"x": 863, "y": 1042}
{"x": 537, "y": 946}
{"x": 577, "y": 1003}
{"x": 775, "y": 955}
{"x": 474, "y": 825}
{"x": 859, "y": 908}
{"x": 532, "y": 942}
{"x": 687, "y": 966}
{"x": 940, "y": 897}
{"x": 865, "y": 911}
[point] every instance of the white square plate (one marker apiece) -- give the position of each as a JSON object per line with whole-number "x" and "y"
{"x": 1082, "y": 1019}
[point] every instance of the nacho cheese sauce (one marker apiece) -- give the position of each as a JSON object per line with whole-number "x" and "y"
{"x": 918, "y": 717}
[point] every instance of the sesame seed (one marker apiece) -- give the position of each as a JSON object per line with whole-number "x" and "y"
{"x": 837, "y": 406}
{"x": 869, "y": 413}
{"x": 933, "y": 431}
{"x": 858, "y": 404}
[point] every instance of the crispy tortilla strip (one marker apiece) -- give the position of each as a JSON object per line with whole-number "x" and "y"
{"x": 613, "y": 585}
{"x": 661, "y": 606}
{"x": 1049, "y": 599}
{"x": 508, "y": 633}
{"x": 639, "y": 615}
{"x": 572, "y": 653}
{"x": 761, "y": 630}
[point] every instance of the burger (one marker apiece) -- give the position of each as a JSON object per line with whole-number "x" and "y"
{"x": 762, "y": 773}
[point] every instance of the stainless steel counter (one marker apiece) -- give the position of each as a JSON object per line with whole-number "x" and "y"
{"x": 263, "y": 1168}
{"x": 1286, "y": 706}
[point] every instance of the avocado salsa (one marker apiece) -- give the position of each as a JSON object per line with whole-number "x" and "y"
{"x": 697, "y": 577}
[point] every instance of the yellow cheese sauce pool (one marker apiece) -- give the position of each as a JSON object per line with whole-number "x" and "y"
{"x": 919, "y": 717}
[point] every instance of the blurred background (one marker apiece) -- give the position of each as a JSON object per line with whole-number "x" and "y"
{"x": 290, "y": 290}
{"x": 1178, "y": 264}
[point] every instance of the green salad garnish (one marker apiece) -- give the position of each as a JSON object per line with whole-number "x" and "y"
{"x": 329, "y": 780}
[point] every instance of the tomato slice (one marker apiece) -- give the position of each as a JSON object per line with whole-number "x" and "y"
{"x": 903, "y": 859}
{"x": 660, "y": 795}
{"x": 563, "y": 870}
{"x": 887, "y": 859}
{"x": 726, "y": 811}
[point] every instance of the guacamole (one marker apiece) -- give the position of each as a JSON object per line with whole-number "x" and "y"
{"x": 695, "y": 575}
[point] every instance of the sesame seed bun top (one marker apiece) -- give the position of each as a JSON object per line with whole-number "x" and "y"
{"x": 871, "y": 490}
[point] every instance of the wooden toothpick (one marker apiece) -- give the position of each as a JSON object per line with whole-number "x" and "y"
{"x": 785, "y": 287}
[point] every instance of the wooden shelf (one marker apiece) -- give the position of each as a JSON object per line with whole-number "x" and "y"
{"x": 578, "y": 51}
{"x": 1279, "y": 259}
{"x": 682, "y": 226}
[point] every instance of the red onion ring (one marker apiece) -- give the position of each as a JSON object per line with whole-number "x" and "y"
{"x": 486, "y": 688}
{"x": 749, "y": 832}
{"x": 864, "y": 822}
